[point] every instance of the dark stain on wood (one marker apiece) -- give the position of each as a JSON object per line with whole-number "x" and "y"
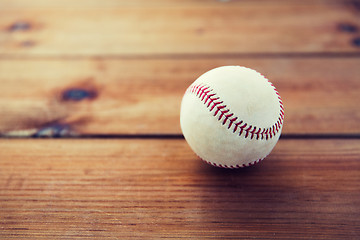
{"x": 19, "y": 26}
{"x": 78, "y": 94}
{"x": 356, "y": 42}
{"x": 355, "y": 4}
{"x": 54, "y": 130}
{"x": 347, "y": 27}
{"x": 83, "y": 90}
{"x": 26, "y": 117}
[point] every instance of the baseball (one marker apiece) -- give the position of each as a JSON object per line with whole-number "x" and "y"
{"x": 231, "y": 116}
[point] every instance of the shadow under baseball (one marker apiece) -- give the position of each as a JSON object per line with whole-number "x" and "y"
{"x": 257, "y": 199}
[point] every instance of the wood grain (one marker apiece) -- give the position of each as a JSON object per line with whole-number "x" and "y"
{"x": 24, "y": 4}
{"x": 118, "y": 70}
{"x": 176, "y": 29}
{"x": 143, "y": 96}
{"x": 110, "y": 189}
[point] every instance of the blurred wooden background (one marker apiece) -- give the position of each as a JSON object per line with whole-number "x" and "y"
{"x": 107, "y": 77}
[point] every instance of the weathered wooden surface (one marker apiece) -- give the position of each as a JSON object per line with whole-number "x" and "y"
{"x": 176, "y": 28}
{"x": 25, "y": 4}
{"x": 114, "y": 189}
{"x": 143, "y": 96}
{"x": 119, "y": 69}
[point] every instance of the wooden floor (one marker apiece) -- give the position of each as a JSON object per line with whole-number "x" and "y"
{"x": 90, "y": 140}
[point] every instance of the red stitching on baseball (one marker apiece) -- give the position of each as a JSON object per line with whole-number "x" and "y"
{"x": 212, "y": 101}
{"x": 233, "y": 166}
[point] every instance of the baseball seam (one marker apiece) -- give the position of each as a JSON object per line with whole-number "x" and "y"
{"x": 214, "y": 103}
{"x": 234, "y": 166}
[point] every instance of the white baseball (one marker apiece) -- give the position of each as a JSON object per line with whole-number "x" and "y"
{"x": 231, "y": 116}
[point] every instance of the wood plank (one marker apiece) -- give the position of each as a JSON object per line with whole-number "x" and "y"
{"x": 143, "y": 96}
{"x": 6, "y": 4}
{"x": 220, "y": 28}
{"x": 108, "y": 189}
